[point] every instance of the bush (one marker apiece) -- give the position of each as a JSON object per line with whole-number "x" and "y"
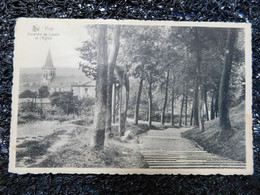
{"x": 30, "y": 117}
{"x": 28, "y": 107}
{"x": 27, "y": 94}
{"x": 43, "y": 92}
{"x": 66, "y": 101}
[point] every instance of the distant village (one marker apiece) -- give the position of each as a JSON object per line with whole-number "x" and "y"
{"x": 81, "y": 86}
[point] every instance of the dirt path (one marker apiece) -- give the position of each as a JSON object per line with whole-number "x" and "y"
{"x": 60, "y": 137}
{"x": 167, "y": 149}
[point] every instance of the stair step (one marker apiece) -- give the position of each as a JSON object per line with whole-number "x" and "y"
{"x": 165, "y": 137}
{"x": 188, "y": 158}
{"x": 165, "y": 157}
{"x": 197, "y": 167}
{"x": 180, "y": 155}
{"x": 191, "y": 163}
{"x": 165, "y": 152}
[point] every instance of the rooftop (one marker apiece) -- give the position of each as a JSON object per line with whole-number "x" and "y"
{"x": 48, "y": 62}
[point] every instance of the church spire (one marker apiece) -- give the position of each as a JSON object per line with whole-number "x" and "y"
{"x": 48, "y": 62}
{"x": 48, "y": 71}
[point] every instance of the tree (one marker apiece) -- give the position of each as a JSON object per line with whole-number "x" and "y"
{"x": 27, "y": 94}
{"x": 205, "y": 47}
{"x": 88, "y": 53}
{"x": 196, "y": 84}
{"x": 110, "y": 76}
{"x": 172, "y": 102}
{"x": 138, "y": 98}
{"x": 171, "y": 47}
{"x": 224, "y": 120}
{"x": 140, "y": 55}
{"x": 186, "y": 104}
{"x": 201, "y": 108}
{"x": 100, "y": 64}
{"x": 165, "y": 97}
{"x": 123, "y": 97}
{"x": 43, "y": 92}
{"x": 182, "y": 103}
{"x": 30, "y": 94}
{"x": 66, "y": 101}
{"x": 98, "y": 137}
{"x": 150, "y": 82}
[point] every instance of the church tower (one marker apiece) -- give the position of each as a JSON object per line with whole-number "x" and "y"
{"x": 48, "y": 71}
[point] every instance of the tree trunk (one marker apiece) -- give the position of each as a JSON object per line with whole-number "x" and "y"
{"x": 32, "y": 103}
{"x": 114, "y": 103}
{"x": 224, "y": 120}
{"x": 124, "y": 114}
{"x": 35, "y": 105}
{"x": 196, "y": 90}
{"x": 196, "y": 104}
{"x": 182, "y": 102}
{"x": 110, "y": 75}
{"x": 202, "y": 109}
{"x": 150, "y": 101}
{"x": 212, "y": 111}
{"x": 172, "y": 106}
{"x": 41, "y": 108}
{"x": 206, "y": 102}
{"x": 120, "y": 114}
{"x": 98, "y": 137}
{"x": 109, "y": 109}
{"x": 186, "y": 104}
{"x": 138, "y": 98}
{"x": 216, "y": 103}
{"x": 165, "y": 98}
{"x": 67, "y": 109}
{"x": 191, "y": 114}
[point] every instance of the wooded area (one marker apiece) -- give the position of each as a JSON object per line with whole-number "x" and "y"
{"x": 177, "y": 75}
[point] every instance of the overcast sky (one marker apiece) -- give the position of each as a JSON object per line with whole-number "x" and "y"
{"x": 31, "y": 50}
{"x": 63, "y": 36}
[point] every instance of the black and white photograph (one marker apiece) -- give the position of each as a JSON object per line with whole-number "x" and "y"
{"x": 131, "y": 97}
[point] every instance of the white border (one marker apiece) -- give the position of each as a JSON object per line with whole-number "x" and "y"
{"x": 248, "y": 71}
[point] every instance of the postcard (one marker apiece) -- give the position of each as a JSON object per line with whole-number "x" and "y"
{"x": 131, "y": 97}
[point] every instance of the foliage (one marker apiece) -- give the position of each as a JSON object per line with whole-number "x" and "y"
{"x": 233, "y": 148}
{"x": 27, "y": 107}
{"x": 66, "y": 101}
{"x": 194, "y": 57}
{"x": 27, "y": 117}
{"x": 43, "y": 92}
{"x": 28, "y": 94}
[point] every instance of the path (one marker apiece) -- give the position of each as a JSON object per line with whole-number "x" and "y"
{"x": 163, "y": 149}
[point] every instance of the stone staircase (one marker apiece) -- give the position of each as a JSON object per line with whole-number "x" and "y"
{"x": 189, "y": 159}
{"x": 166, "y": 149}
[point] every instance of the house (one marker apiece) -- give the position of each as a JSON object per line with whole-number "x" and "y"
{"x": 81, "y": 85}
{"x": 84, "y": 90}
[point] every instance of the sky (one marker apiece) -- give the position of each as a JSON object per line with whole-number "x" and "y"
{"x": 33, "y": 40}
{"x": 35, "y": 37}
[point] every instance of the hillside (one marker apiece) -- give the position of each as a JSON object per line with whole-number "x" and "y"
{"x": 235, "y": 147}
{"x": 32, "y": 74}
{"x": 30, "y": 78}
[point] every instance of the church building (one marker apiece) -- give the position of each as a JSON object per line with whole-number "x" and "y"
{"x": 48, "y": 71}
{"x": 81, "y": 85}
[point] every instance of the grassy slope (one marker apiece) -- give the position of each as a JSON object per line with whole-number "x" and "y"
{"x": 235, "y": 147}
{"x": 76, "y": 151}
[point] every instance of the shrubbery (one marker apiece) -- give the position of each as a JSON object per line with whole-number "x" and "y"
{"x": 30, "y": 117}
{"x": 61, "y": 103}
{"x": 28, "y": 94}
